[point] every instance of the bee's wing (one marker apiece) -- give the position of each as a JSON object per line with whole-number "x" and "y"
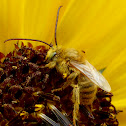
{"x": 48, "y": 120}
{"x": 92, "y": 74}
{"x": 62, "y": 119}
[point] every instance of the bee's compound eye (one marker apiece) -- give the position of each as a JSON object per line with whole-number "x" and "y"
{"x": 53, "y": 54}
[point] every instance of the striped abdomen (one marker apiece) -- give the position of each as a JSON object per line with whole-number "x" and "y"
{"x": 87, "y": 90}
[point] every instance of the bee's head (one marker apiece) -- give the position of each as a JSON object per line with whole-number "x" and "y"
{"x": 51, "y": 54}
{"x": 54, "y": 53}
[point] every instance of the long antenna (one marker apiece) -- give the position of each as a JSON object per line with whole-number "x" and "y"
{"x": 56, "y": 24}
{"x": 28, "y": 40}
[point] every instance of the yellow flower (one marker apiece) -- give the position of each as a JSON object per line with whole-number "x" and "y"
{"x": 96, "y": 26}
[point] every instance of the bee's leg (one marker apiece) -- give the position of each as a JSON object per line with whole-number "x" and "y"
{"x": 68, "y": 82}
{"x": 76, "y": 101}
{"x": 91, "y": 107}
{"x": 51, "y": 65}
{"x": 49, "y": 96}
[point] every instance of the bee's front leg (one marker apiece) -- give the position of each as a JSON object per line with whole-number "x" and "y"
{"x": 68, "y": 82}
{"x": 51, "y": 65}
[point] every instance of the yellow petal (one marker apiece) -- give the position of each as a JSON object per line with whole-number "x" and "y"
{"x": 98, "y": 27}
{"x": 28, "y": 19}
{"x": 121, "y": 105}
{"x": 115, "y": 73}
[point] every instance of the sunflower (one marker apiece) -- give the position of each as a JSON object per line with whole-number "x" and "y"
{"x": 97, "y": 27}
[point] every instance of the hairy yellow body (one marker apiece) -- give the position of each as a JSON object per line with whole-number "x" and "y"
{"x": 84, "y": 91}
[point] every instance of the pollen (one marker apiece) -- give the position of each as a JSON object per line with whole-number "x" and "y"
{"x": 24, "y": 115}
{"x": 64, "y": 75}
{"x": 39, "y": 107}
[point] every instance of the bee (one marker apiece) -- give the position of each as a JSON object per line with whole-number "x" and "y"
{"x": 79, "y": 74}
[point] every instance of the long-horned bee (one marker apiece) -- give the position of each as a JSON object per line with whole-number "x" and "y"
{"x": 80, "y": 74}
{"x": 77, "y": 71}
